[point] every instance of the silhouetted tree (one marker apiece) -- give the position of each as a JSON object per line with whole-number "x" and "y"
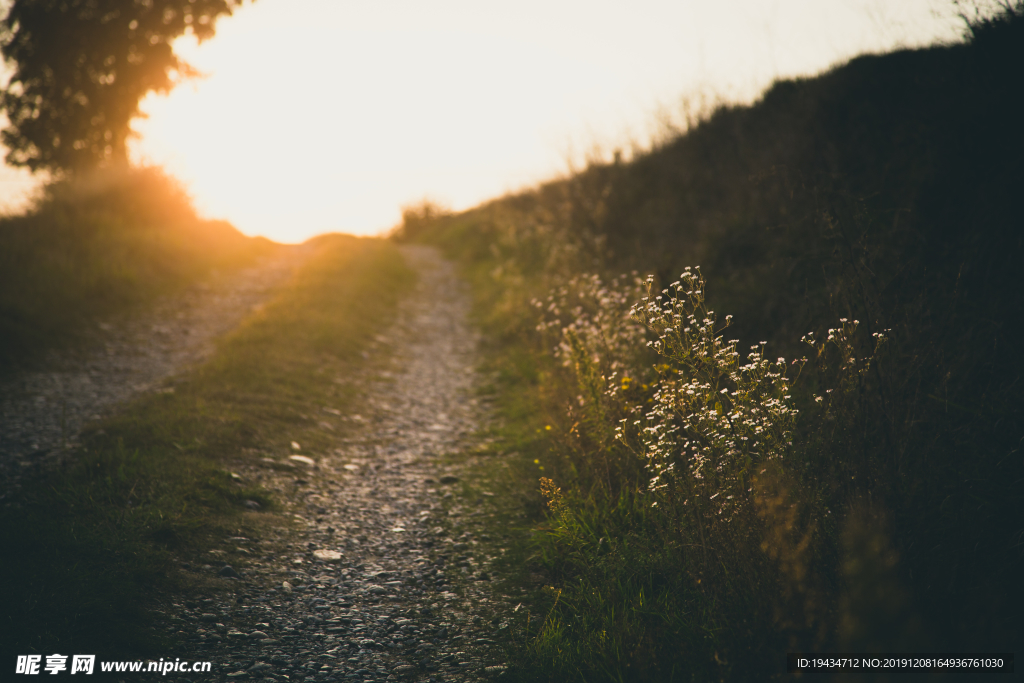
{"x": 80, "y": 68}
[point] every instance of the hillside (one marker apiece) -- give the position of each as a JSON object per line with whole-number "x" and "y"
{"x": 876, "y": 206}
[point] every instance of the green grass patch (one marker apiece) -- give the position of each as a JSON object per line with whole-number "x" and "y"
{"x": 88, "y": 547}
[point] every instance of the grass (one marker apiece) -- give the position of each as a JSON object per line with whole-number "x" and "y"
{"x": 91, "y": 545}
{"x": 96, "y": 247}
{"x": 606, "y": 588}
{"x": 881, "y": 191}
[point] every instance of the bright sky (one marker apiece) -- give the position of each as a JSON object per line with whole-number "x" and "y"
{"x": 329, "y": 115}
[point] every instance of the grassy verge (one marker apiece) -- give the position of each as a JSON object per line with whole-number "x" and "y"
{"x": 607, "y": 592}
{"x": 817, "y": 556}
{"x": 881, "y": 510}
{"x": 97, "y": 247}
{"x": 88, "y": 546}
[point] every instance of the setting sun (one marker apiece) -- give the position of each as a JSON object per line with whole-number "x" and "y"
{"x": 315, "y": 115}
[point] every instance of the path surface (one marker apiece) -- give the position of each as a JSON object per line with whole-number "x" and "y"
{"x": 375, "y": 576}
{"x": 42, "y": 412}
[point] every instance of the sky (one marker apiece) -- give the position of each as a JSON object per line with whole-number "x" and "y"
{"x": 316, "y": 116}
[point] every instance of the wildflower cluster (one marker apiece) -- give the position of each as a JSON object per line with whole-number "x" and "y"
{"x": 593, "y": 317}
{"x": 586, "y": 324}
{"x": 714, "y": 420}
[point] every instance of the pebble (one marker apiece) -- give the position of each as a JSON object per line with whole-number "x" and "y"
{"x": 327, "y": 555}
{"x": 229, "y": 572}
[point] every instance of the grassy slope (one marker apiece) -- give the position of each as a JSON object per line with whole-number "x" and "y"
{"x": 95, "y": 542}
{"x": 885, "y": 190}
{"x": 97, "y": 247}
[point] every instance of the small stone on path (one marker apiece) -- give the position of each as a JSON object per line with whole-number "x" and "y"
{"x": 228, "y": 571}
{"x": 327, "y": 555}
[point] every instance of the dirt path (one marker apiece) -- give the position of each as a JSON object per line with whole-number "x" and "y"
{"x": 371, "y": 573}
{"x": 42, "y": 412}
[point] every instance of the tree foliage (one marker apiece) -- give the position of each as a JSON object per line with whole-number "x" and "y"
{"x": 80, "y": 68}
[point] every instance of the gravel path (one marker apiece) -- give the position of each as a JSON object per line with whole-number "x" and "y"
{"x": 42, "y": 412}
{"x": 373, "y": 571}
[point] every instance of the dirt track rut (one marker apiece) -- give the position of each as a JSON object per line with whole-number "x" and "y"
{"x": 373, "y": 574}
{"x": 42, "y": 412}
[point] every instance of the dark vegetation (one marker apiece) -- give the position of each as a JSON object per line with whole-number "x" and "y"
{"x": 90, "y": 548}
{"x": 886, "y": 191}
{"x": 100, "y": 245}
{"x": 80, "y": 68}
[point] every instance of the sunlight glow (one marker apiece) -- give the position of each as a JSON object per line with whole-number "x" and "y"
{"x": 322, "y": 115}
